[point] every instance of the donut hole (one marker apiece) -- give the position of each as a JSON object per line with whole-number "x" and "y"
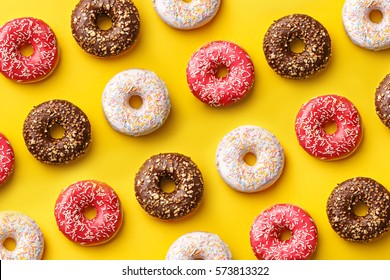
{"x": 56, "y": 131}
{"x": 9, "y": 244}
{"x": 104, "y": 22}
{"x": 90, "y": 212}
{"x": 250, "y": 159}
{"x": 26, "y": 50}
{"x": 375, "y": 16}
{"x": 167, "y": 185}
{"x": 187, "y": 1}
{"x": 297, "y": 45}
{"x": 222, "y": 71}
{"x": 360, "y": 209}
{"x": 285, "y": 234}
{"x": 330, "y": 127}
{"x": 135, "y": 101}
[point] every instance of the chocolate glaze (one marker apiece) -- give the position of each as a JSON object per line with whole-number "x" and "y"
{"x": 341, "y": 215}
{"x": 382, "y": 101}
{"x": 120, "y": 37}
{"x": 76, "y": 138}
{"x": 186, "y": 176}
{"x": 314, "y": 57}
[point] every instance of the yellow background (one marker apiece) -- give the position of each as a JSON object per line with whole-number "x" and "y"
{"x": 194, "y": 129}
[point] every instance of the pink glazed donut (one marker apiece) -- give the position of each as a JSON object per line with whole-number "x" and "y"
{"x": 20, "y": 32}
{"x": 266, "y": 230}
{"x": 75, "y": 199}
{"x": 7, "y": 159}
{"x": 203, "y": 79}
{"x": 313, "y": 117}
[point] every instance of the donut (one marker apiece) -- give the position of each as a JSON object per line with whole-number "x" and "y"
{"x": 174, "y": 205}
{"x": 77, "y": 198}
{"x": 20, "y": 32}
{"x": 199, "y": 245}
{"x": 361, "y": 30}
{"x": 182, "y": 15}
{"x": 202, "y": 73}
{"x": 316, "y": 114}
{"x": 28, "y": 237}
{"x": 236, "y": 172}
{"x": 136, "y": 121}
{"x": 382, "y": 101}
{"x": 277, "y": 46}
{"x": 73, "y": 143}
{"x": 105, "y": 43}
{"x": 268, "y": 226}
{"x": 341, "y": 215}
{"x": 7, "y": 159}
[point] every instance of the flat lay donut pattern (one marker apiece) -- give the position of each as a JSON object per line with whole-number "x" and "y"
{"x": 202, "y": 79}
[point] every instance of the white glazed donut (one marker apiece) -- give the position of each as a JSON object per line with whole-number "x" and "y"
{"x": 182, "y": 15}
{"x": 199, "y": 245}
{"x": 25, "y": 232}
{"x": 236, "y": 172}
{"x": 361, "y": 30}
{"x": 155, "y": 106}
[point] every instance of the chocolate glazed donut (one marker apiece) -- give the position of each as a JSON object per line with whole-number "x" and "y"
{"x": 341, "y": 214}
{"x": 185, "y": 197}
{"x": 382, "y": 101}
{"x": 45, "y": 148}
{"x": 104, "y": 43}
{"x": 285, "y": 62}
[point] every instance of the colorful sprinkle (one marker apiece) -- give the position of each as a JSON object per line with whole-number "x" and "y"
{"x": 236, "y": 172}
{"x": 136, "y": 121}
{"x": 182, "y": 15}
{"x": 265, "y": 234}
{"x": 26, "y": 69}
{"x": 25, "y": 232}
{"x": 199, "y": 245}
{"x": 359, "y": 27}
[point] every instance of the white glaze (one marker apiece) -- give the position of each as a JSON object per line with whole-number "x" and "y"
{"x": 199, "y": 245}
{"x": 182, "y": 15}
{"x": 361, "y": 30}
{"x": 238, "y": 174}
{"x": 136, "y": 121}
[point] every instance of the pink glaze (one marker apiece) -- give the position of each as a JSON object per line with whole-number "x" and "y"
{"x": 26, "y": 69}
{"x": 315, "y": 114}
{"x": 202, "y": 72}
{"x": 266, "y": 230}
{"x": 7, "y": 159}
{"x": 79, "y": 196}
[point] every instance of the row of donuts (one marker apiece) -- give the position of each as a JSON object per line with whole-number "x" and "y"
{"x": 179, "y": 14}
